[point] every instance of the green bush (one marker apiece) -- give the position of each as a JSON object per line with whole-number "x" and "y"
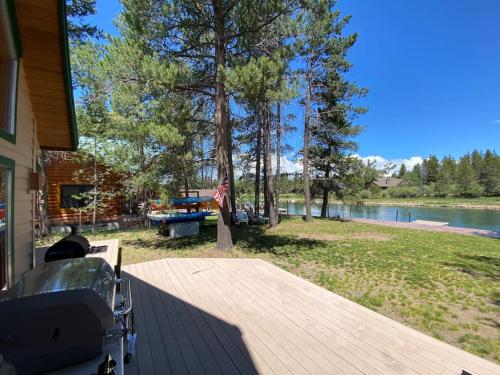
{"x": 404, "y": 192}
{"x": 366, "y": 194}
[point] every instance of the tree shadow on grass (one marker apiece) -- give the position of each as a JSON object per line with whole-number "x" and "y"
{"x": 478, "y": 266}
{"x": 208, "y": 235}
{"x": 254, "y": 239}
{"x": 249, "y": 238}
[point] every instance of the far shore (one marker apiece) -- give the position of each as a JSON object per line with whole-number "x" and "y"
{"x": 425, "y": 204}
{"x": 482, "y": 203}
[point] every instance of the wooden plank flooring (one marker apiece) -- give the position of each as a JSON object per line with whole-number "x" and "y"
{"x": 245, "y": 316}
{"x": 111, "y": 254}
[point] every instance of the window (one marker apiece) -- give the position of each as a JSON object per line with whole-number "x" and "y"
{"x": 9, "y": 66}
{"x": 6, "y": 219}
{"x": 73, "y": 196}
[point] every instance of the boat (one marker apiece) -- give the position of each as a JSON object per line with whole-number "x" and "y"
{"x": 190, "y": 200}
{"x": 178, "y": 217}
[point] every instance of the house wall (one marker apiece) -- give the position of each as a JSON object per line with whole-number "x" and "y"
{"x": 24, "y": 153}
{"x": 62, "y": 172}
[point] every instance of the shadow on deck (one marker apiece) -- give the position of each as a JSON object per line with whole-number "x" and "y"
{"x": 242, "y": 316}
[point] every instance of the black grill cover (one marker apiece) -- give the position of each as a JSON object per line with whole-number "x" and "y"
{"x": 57, "y": 315}
{"x": 72, "y": 246}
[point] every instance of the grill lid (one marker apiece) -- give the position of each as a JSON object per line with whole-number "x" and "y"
{"x": 64, "y": 275}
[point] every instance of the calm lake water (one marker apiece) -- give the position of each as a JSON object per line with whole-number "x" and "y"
{"x": 456, "y": 217}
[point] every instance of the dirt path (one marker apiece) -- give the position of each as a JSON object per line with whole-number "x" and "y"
{"x": 433, "y": 228}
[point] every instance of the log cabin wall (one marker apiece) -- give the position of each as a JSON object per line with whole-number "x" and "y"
{"x": 62, "y": 170}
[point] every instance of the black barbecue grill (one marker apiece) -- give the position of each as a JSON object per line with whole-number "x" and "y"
{"x": 60, "y": 313}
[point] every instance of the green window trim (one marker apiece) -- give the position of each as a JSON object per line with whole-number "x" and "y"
{"x": 14, "y": 31}
{"x": 10, "y": 164}
{"x": 11, "y": 9}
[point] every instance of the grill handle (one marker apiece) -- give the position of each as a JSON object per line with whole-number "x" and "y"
{"x": 120, "y": 313}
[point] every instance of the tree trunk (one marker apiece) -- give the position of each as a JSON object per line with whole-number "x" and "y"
{"x": 305, "y": 160}
{"x": 326, "y": 193}
{"x": 278, "y": 157}
{"x": 264, "y": 172}
{"x": 202, "y": 165}
{"x": 257, "y": 169}
{"x": 224, "y": 238}
{"x": 232, "y": 190}
{"x": 268, "y": 181}
{"x": 94, "y": 208}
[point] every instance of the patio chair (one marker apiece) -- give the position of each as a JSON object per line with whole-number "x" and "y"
{"x": 241, "y": 217}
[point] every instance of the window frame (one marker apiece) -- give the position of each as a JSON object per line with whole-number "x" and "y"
{"x": 72, "y": 185}
{"x": 15, "y": 41}
{"x": 11, "y": 188}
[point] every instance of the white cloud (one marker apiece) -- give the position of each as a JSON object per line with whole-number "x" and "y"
{"x": 291, "y": 164}
{"x": 288, "y": 164}
{"x": 381, "y": 162}
{"x": 495, "y": 122}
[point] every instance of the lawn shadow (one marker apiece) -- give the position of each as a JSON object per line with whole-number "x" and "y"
{"x": 208, "y": 234}
{"x": 254, "y": 239}
{"x": 478, "y": 266}
{"x": 249, "y": 238}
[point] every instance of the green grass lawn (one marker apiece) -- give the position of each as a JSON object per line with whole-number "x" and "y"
{"x": 446, "y": 285}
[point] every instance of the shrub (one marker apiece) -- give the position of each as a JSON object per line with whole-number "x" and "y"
{"x": 365, "y": 194}
{"x": 404, "y": 192}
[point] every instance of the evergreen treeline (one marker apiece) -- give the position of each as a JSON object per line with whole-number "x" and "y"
{"x": 189, "y": 92}
{"x": 472, "y": 175}
{"x": 187, "y": 89}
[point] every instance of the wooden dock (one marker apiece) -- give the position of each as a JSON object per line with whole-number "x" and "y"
{"x": 245, "y": 316}
{"x": 429, "y": 222}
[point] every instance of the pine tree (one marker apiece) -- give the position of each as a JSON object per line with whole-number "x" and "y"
{"x": 446, "y": 177}
{"x": 205, "y": 40}
{"x": 323, "y": 49}
{"x": 467, "y": 180}
{"x": 489, "y": 176}
{"x": 79, "y": 29}
{"x": 402, "y": 171}
{"x": 432, "y": 169}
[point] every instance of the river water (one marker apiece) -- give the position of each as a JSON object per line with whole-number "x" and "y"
{"x": 456, "y": 217}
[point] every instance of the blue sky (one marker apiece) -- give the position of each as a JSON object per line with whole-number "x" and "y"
{"x": 433, "y": 71}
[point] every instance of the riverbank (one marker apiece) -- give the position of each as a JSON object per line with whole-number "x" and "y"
{"x": 482, "y": 203}
{"x": 444, "y": 284}
{"x": 432, "y": 228}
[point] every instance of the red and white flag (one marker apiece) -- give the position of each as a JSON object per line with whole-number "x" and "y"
{"x": 221, "y": 191}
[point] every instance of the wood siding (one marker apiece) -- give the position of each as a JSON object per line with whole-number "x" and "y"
{"x": 24, "y": 153}
{"x": 40, "y": 30}
{"x": 62, "y": 172}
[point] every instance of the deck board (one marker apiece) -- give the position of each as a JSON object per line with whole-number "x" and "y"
{"x": 246, "y": 316}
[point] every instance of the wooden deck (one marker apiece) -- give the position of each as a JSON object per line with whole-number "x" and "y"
{"x": 242, "y": 316}
{"x": 111, "y": 254}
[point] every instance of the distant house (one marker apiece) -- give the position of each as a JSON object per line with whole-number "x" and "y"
{"x": 63, "y": 188}
{"x": 387, "y": 182}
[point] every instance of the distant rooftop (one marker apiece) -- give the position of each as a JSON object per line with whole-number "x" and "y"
{"x": 387, "y": 182}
